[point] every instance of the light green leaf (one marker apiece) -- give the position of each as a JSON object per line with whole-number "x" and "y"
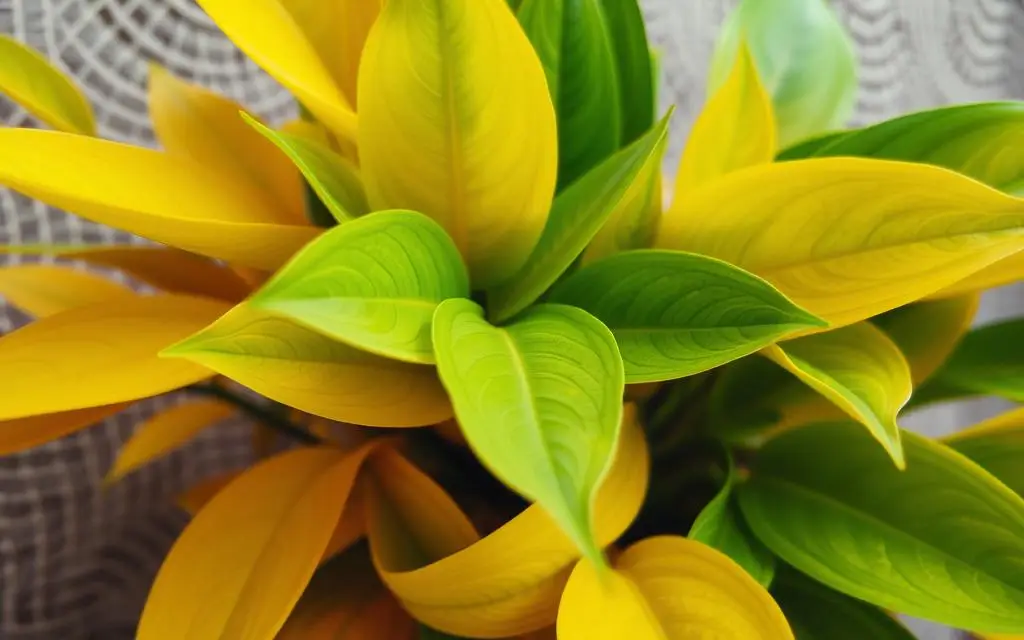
{"x": 373, "y": 283}
{"x": 942, "y": 540}
{"x": 333, "y": 178}
{"x": 997, "y": 444}
{"x": 804, "y": 57}
{"x": 816, "y": 612}
{"x": 539, "y": 401}
{"x": 637, "y": 94}
{"x": 573, "y": 42}
{"x": 577, "y": 215}
{"x": 860, "y": 370}
{"x": 675, "y": 314}
{"x": 42, "y": 89}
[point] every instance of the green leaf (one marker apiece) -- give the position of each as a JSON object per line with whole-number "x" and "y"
{"x": 860, "y": 370}
{"x": 816, "y": 612}
{"x": 539, "y": 401}
{"x": 577, "y": 215}
{"x": 637, "y": 97}
{"x": 997, "y": 445}
{"x": 42, "y": 89}
{"x": 334, "y": 178}
{"x": 989, "y": 361}
{"x": 373, "y": 283}
{"x": 573, "y": 42}
{"x": 720, "y": 525}
{"x": 942, "y": 540}
{"x": 807, "y": 147}
{"x": 675, "y": 314}
{"x": 804, "y": 57}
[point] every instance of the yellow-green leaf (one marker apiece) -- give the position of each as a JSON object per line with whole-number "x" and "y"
{"x": 1006, "y": 271}
{"x": 736, "y": 129}
{"x": 859, "y": 369}
{"x": 36, "y": 84}
{"x": 456, "y": 123}
{"x": 997, "y": 444}
{"x": 100, "y": 354}
{"x": 43, "y": 290}
{"x": 848, "y": 238}
{"x": 664, "y": 588}
{"x": 308, "y": 371}
{"x": 24, "y": 433}
{"x": 163, "y": 197}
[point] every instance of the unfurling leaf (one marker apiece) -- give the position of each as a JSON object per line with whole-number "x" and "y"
{"x": 927, "y": 332}
{"x": 988, "y": 361}
{"x": 997, "y": 444}
{"x": 675, "y": 314}
{"x": 455, "y": 122}
{"x": 373, "y": 283}
{"x": 308, "y": 371}
{"x": 539, "y": 401}
{"x": 668, "y": 587}
{"x": 44, "y": 290}
{"x": 42, "y": 89}
{"x": 829, "y": 502}
{"x": 637, "y": 95}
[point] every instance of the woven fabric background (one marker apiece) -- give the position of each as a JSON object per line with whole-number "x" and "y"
{"x": 75, "y": 560}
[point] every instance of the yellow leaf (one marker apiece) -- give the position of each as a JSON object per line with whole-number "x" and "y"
{"x": 507, "y": 583}
{"x": 163, "y": 197}
{"x": 24, "y": 433}
{"x": 268, "y": 33}
{"x": 242, "y": 563}
{"x": 43, "y": 290}
{"x": 165, "y": 432}
{"x": 100, "y": 354}
{"x": 308, "y": 371}
{"x": 927, "y": 332}
{"x": 456, "y": 123}
{"x": 1006, "y": 271}
{"x": 668, "y": 588}
{"x": 848, "y": 238}
{"x": 197, "y": 123}
{"x": 45, "y": 92}
{"x": 736, "y": 129}
{"x": 197, "y": 497}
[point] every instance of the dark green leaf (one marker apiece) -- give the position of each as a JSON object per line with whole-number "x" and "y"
{"x": 637, "y": 98}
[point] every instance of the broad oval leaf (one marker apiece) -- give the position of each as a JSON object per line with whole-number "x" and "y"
{"x": 42, "y": 89}
{"x": 539, "y": 401}
{"x": 827, "y": 501}
{"x": 668, "y": 587}
{"x": 456, "y": 122}
{"x": 19, "y": 434}
{"x": 637, "y": 95}
{"x": 100, "y": 354}
{"x": 988, "y": 361}
{"x": 848, "y": 238}
{"x": 572, "y": 38}
{"x": 373, "y": 283}
{"x": 242, "y": 563}
{"x": 303, "y": 369}
{"x": 577, "y": 216}
{"x": 860, "y": 370}
{"x": 166, "y": 198}
{"x": 486, "y": 590}
{"x": 675, "y": 314}
{"x": 997, "y": 444}
{"x": 44, "y": 290}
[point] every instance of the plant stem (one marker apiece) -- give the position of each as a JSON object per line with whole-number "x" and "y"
{"x": 260, "y": 413}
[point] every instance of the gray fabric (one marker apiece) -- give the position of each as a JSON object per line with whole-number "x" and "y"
{"x": 75, "y": 562}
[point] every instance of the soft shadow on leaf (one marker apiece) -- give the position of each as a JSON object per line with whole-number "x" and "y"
{"x": 997, "y": 444}
{"x": 20, "y": 434}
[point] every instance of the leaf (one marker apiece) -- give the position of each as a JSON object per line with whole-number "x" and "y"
{"x": 456, "y": 123}
{"x": 675, "y": 314}
{"x": 275, "y": 35}
{"x": 200, "y": 494}
{"x": 668, "y": 587}
{"x": 848, "y": 238}
{"x": 100, "y": 354}
{"x": 720, "y": 526}
{"x": 989, "y": 360}
{"x": 196, "y": 123}
{"x": 241, "y": 564}
{"x": 1007, "y": 271}
{"x": 333, "y": 178}
{"x": 806, "y": 60}
{"x": 372, "y": 283}
{"x": 860, "y": 370}
{"x": 539, "y": 401}
{"x": 736, "y": 128}
{"x": 576, "y": 218}
{"x": 486, "y": 589}
{"x": 809, "y": 146}
{"x": 997, "y": 444}
{"x": 827, "y": 501}
{"x": 305, "y": 370}
{"x": 165, "y": 432}
{"x": 19, "y": 434}
{"x": 166, "y": 198}
{"x": 572, "y": 38}
{"x": 44, "y": 290}
{"x": 42, "y": 89}
{"x": 816, "y": 612}
{"x": 637, "y": 95}
{"x": 927, "y": 332}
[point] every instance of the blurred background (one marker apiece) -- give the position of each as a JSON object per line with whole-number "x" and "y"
{"x": 76, "y": 560}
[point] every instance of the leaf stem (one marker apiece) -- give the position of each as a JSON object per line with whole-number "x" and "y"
{"x": 254, "y": 410}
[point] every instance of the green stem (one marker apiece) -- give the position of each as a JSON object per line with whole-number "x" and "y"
{"x": 263, "y": 414}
